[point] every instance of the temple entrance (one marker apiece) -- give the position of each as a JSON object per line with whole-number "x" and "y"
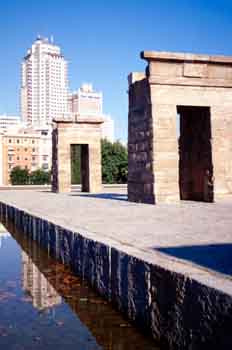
{"x": 80, "y": 166}
{"x": 77, "y": 142}
{"x": 195, "y": 154}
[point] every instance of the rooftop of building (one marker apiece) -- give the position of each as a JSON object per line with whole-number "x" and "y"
{"x": 86, "y": 88}
{"x": 8, "y": 116}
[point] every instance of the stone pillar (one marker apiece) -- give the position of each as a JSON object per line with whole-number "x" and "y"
{"x": 95, "y": 170}
{"x": 54, "y": 160}
{"x": 140, "y": 142}
{"x": 61, "y": 162}
{"x": 221, "y": 124}
{"x": 165, "y": 152}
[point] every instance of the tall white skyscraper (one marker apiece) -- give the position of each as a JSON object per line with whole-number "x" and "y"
{"x": 44, "y": 84}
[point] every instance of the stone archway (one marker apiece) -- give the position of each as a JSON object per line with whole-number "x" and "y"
{"x": 86, "y": 132}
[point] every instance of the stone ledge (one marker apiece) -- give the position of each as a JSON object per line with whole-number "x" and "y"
{"x": 155, "y": 292}
{"x": 184, "y": 57}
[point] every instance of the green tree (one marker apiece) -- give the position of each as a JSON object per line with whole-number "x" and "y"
{"x": 40, "y": 177}
{"x": 75, "y": 164}
{"x": 19, "y": 176}
{"x": 114, "y": 162}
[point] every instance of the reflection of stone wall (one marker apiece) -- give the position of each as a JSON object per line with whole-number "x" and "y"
{"x": 41, "y": 291}
{"x": 174, "y": 80}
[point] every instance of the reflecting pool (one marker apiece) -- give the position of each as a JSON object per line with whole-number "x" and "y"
{"x": 44, "y": 306}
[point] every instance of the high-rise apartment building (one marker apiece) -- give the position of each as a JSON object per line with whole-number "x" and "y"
{"x": 44, "y": 84}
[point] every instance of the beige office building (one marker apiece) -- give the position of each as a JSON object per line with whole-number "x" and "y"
{"x": 88, "y": 102}
{"x": 28, "y": 149}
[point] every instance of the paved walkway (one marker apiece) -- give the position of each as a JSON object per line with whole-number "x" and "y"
{"x": 191, "y": 238}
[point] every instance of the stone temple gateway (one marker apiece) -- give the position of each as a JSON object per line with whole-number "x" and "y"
{"x": 180, "y": 128}
{"x": 86, "y": 132}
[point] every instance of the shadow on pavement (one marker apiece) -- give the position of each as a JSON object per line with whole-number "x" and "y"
{"x": 217, "y": 257}
{"x": 113, "y": 196}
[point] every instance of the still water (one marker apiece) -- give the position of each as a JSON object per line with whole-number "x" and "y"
{"x": 43, "y": 306}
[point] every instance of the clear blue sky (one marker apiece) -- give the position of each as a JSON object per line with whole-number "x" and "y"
{"x": 102, "y": 40}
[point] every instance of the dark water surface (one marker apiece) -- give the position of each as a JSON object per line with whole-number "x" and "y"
{"x": 43, "y": 306}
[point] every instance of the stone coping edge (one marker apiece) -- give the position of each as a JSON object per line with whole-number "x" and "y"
{"x": 179, "y": 312}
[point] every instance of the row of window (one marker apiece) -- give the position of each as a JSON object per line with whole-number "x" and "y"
{"x": 22, "y": 141}
{"x": 10, "y": 150}
{"x": 11, "y": 166}
{"x": 10, "y": 158}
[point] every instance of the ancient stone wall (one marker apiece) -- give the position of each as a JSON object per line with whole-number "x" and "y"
{"x": 55, "y": 161}
{"x": 183, "y": 80}
{"x": 140, "y": 144}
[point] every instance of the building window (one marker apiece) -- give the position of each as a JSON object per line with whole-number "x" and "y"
{"x": 10, "y": 158}
{"x": 26, "y": 159}
{"x": 25, "y": 149}
{"x": 33, "y": 158}
{"x": 18, "y": 158}
{"x": 17, "y": 141}
{"x": 33, "y": 149}
{"x": 45, "y": 166}
{"x": 33, "y": 141}
{"x": 9, "y": 140}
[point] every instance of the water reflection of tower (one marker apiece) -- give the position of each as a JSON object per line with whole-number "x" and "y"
{"x": 37, "y": 286}
{"x": 3, "y": 234}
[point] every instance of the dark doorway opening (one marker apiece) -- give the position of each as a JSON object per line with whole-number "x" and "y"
{"x": 80, "y": 166}
{"x": 195, "y": 154}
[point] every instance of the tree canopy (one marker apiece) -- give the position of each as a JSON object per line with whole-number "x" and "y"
{"x": 76, "y": 164}
{"x": 19, "y": 176}
{"x": 114, "y": 162}
{"x": 40, "y": 177}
